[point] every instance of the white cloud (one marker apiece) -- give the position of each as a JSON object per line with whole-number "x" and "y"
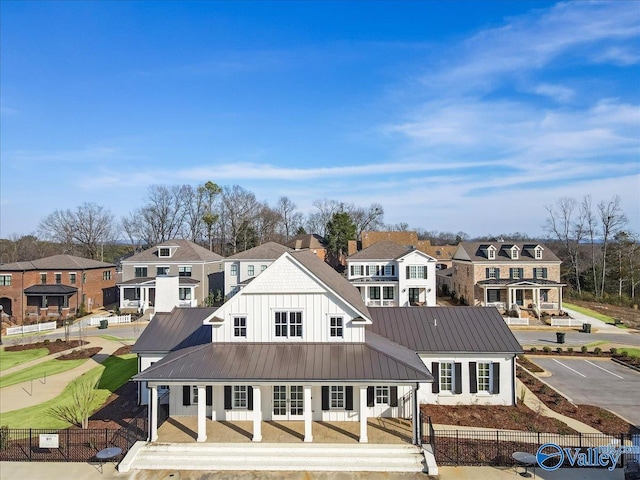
{"x": 557, "y": 92}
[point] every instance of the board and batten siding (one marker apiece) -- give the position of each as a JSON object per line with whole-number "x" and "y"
{"x": 316, "y": 308}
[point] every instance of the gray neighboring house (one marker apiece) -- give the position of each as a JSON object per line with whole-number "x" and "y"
{"x": 243, "y": 267}
{"x": 177, "y": 272}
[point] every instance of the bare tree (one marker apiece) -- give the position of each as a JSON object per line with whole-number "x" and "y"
{"x": 370, "y": 218}
{"x": 612, "y": 220}
{"x": 239, "y": 206}
{"x": 568, "y": 230}
{"x": 78, "y": 411}
{"x": 290, "y": 220}
{"x": 162, "y": 217}
{"x": 265, "y": 223}
{"x": 86, "y": 227}
{"x": 317, "y": 221}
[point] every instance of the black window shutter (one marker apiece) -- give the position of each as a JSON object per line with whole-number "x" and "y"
{"x": 487, "y": 272}
{"x": 457, "y": 377}
{"x": 511, "y": 272}
{"x": 371, "y": 396}
{"x": 495, "y": 378}
{"x": 497, "y": 273}
{"x": 393, "y": 396}
{"x": 408, "y": 271}
{"x": 351, "y": 270}
{"x": 209, "y": 395}
{"x": 348, "y": 398}
{"x": 473, "y": 382}
{"x": 250, "y": 398}
{"x": 227, "y": 398}
{"x": 521, "y": 273}
{"x": 325, "y": 398}
{"x": 435, "y": 371}
{"x": 367, "y": 270}
{"x": 535, "y": 272}
{"x": 393, "y": 270}
{"x": 186, "y": 395}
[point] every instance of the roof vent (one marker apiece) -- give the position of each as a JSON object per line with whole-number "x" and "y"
{"x": 435, "y": 322}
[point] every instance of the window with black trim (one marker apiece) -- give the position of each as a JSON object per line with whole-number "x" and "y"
{"x": 184, "y": 293}
{"x": 288, "y": 324}
{"x": 5, "y": 280}
{"x": 106, "y": 275}
{"x": 164, "y": 252}
{"x": 446, "y": 376}
{"x": 162, "y": 270}
{"x": 72, "y": 278}
{"x": 43, "y": 278}
{"x": 387, "y": 293}
{"x": 336, "y": 325}
{"x": 240, "y": 395}
{"x": 58, "y": 278}
{"x": 374, "y": 293}
{"x": 233, "y": 270}
{"x": 337, "y": 397}
{"x": 239, "y": 326}
{"x": 250, "y": 270}
{"x": 140, "y": 272}
{"x": 184, "y": 271}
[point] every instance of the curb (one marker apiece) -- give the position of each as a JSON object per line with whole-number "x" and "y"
{"x": 620, "y": 362}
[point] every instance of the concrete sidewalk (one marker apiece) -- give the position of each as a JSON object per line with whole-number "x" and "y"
{"x": 596, "y": 325}
{"x": 30, "y": 393}
{"x": 85, "y": 471}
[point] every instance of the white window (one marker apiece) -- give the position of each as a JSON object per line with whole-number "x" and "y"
{"x": 491, "y": 253}
{"x": 184, "y": 270}
{"x": 493, "y": 273}
{"x": 382, "y": 395}
{"x": 72, "y": 278}
{"x": 417, "y": 271}
{"x": 514, "y": 253}
{"x": 337, "y": 397}
{"x": 234, "y": 270}
{"x": 43, "y": 278}
{"x": 484, "y": 377}
{"x": 240, "y": 326}
{"x": 5, "y": 280}
{"x": 250, "y": 270}
{"x": 162, "y": 270}
{"x": 336, "y": 326}
{"x": 288, "y": 324}
{"x": 357, "y": 269}
{"x": 446, "y": 376}
{"x": 263, "y": 268}
{"x": 538, "y": 252}
{"x": 184, "y": 293}
{"x": 140, "y": 272}
{"x": 106, "y": 275}
{"x": 373, "y": 270}
{"x": 164, "y": 252}
{"x": 240, "y": 396}
{"x": 194, "y": 394}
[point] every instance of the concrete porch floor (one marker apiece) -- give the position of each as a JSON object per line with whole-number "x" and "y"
{"x": 380, "y": 431}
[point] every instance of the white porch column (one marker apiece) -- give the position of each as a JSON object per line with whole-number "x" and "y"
{"x": 308, "y": 435}
{"x": 560, "y": 298}
{"x": 153, "y": 409}
{"x": 486, "y": 299}
{"x": 363, "y": 415}
{"x": 257, "y": 414}
{"x": 202, "y": 414}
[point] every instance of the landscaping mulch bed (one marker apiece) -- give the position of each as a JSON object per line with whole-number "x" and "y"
{"x": 119, "y": 409}
{"x": 528, "y": 364}
{"x": 519, "y": 417}
{"x": 80, "y": 354}
{"x": 123, "y": 350}
{"x": 596, "y": 417}
{"x": 53, "y": 347}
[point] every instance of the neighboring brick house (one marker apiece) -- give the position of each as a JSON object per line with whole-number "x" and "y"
{"x": 55, "y": 287}
{"x": 315, "y": 243}
{"x": 175, "y": 273}
{"x": 508, "y": 275}
{"x": 243, "y": 267}
{"x": 391, "y": 275}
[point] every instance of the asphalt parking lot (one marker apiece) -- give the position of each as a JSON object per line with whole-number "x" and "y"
{"x": 596, "y": 382}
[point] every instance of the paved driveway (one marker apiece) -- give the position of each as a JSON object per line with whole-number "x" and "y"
{"x": 573, "y": 338}
{"x": 596, "y": 382}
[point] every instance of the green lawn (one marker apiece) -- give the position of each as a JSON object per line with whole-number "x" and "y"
{"x": 116, "y": 339}
{"x": 110, "y": 375}
{"x": 632, "y": 352}
{"x": 591, "y": 313}
{"x": 11, "y": 359}
{"x": 48, "y": 368}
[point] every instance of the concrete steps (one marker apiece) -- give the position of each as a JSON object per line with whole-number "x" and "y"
{"x": 275, "y": 457}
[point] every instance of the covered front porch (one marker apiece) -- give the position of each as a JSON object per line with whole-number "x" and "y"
{"x": 183, "y": 429}
{"x": 535, "y": 295}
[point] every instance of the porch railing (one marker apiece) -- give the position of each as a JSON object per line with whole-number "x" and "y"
{"x": 549, "y": 306}
{"x": 382, "y": 303}
{"x": 516, "y": 321}
{"x": 498, "y": 305}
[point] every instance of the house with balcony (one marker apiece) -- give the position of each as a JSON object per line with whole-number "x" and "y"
{"x": 511, "y": 276}
{"x": 297, "y": 348}
{"x": 55, "y": 287}
{"x": 388, "y": 274}
{"x": 241, "y": 268}
{"x": 176, "y": 272}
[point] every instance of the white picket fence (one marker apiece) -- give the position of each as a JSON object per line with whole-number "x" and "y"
{"x": 566, "y": 322}
{"x": 516, "y": 321}
{"x": 93, "y": 321}
{"x": 36, "y": 327}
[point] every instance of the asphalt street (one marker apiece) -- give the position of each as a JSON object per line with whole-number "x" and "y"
{"x": 573, "y": 338}
{"x": 598, "y": 382}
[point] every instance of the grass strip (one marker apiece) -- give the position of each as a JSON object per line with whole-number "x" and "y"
{"x": 11, "y": 359}
{"x": 117, "y": 339}
{"x": 48, "y": 368}
{"x": 590, "y": 313}
{"x": 110, "y": 375}
{"x": 632, "y": 352}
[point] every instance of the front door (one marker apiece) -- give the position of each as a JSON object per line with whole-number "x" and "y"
{"x": 414, "y": 296}
{"x": 519, "y": 297}
{"x": 288, "y": 402}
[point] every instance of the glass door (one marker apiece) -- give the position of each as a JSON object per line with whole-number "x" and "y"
{"x": 288, "y": 402}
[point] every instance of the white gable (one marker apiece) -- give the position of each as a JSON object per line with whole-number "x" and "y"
{"x": 284, "y": 276}
{"x": 417, "y": 257}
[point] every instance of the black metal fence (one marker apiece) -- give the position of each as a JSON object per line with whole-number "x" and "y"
{"x": 73, "y": 445}
{"x": 495, "y": 447}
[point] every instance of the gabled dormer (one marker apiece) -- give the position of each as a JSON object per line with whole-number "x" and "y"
{"x": 489, "y": 251}
{"x": 512, "y": 251}
{"x": 534, "y": 250}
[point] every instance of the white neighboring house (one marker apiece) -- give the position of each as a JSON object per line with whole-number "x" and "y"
{"x": 388, "y": 274}
{"x": 299, "y": 344}
{"x": 175, "y": 273}
{"x": 243, "y": 267}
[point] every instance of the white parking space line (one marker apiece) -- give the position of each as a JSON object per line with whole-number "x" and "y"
{"x": 565, "y": 366}
{"x": 598, "y": 366}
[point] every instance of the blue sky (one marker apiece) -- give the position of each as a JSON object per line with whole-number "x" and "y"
{"x": 454, "y": 116}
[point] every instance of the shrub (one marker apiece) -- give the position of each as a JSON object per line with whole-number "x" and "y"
{"x": 559, "y": 349}
{"x": 624, "y": 353}
{"x": 46, "y": 341}
{"x": 584, "y": 349}
{"x": 58, "y": 340}
{"x": 613, "y": 350}
{"x": 533, "y": 349}
{"x": 597, "y": 351}
{"x": 546, "y": 349}
{"x": 570, "y": 349}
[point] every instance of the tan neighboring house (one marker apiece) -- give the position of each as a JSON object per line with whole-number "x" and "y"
{"x": 310, "y": 241}
{"x": 177, "y": 272}
{"x": 55, "y": 287}
{"x": 508, "y": 275}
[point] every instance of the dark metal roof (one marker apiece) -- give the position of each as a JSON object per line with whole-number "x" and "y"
{"x": 152, "y": 280}
{"x": 384, "y": 250}
{"x": 314, "y": 362}
{"x": 476, "y": 252}
{"x": 520, "y": 281}
{"x": 180, "y": 328}
{"x": 57, "y": 289}
{"x": 445, "y": 329}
